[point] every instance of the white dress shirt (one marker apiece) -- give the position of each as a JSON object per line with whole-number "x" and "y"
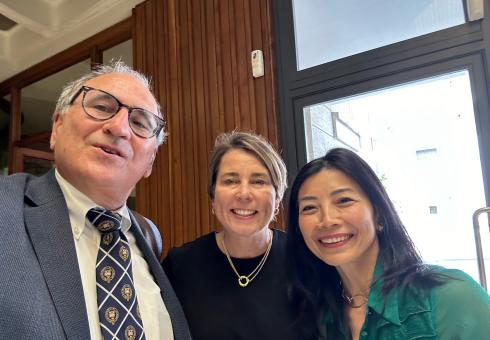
{"x": 154, "y": 314}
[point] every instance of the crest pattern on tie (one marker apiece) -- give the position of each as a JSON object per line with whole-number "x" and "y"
{"x": 119, "y": 315}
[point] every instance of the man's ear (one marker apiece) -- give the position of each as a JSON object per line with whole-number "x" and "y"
{"x": 58, "y": 120}
{"x": 150, "y": 165}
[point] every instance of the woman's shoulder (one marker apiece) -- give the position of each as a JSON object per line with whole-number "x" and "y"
{"x": 447, "y": 290}
{"x": 455, "y": 281}
{"x": 461, "y": 306}
{"x": 454, "y": 285}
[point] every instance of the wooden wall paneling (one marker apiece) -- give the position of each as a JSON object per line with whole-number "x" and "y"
{"x": 172, "y": 98}
{"x": 258, "y": 94}
{"x": 176, "y": 127}
{"x": 162, "y": 163}
{"x": 197, "y": 50}
{"x": 228, "y": 74}
{"x": 138, "y": 33}
{"x": 152, "y": 60}
{"x": 204, "y": 126}
{"x": 269, "y": 79}
{"x": 198, "y": 55}
{"x": 217, "y": 34}
{"x": 159, "y": 182}
{"x": 147, "y": 41}
{"x": 214, "y": 99}
{"x": 213, "y": 110}
{"x": 166, "y": 74}
{"x": 187, "y": 137}
{"x": 253, "y": 43}
{"x": 266, "y": 88}
{"x": 243, "y": 24}
{"x": 194, "y": 47}
{"x": 146, "y": 31}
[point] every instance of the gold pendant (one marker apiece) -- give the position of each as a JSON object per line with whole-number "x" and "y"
{"x": 243, "y": 281}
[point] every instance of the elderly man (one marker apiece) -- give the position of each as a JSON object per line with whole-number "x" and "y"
{"x": 74, "y": 262}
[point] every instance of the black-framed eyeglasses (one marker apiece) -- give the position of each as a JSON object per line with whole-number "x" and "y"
{"x": 101, "y": 105}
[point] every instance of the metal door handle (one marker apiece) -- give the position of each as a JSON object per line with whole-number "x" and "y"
{"x": 479, "y": 247}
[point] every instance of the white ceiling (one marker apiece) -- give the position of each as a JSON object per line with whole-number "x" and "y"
{"x": 41, "y": 28}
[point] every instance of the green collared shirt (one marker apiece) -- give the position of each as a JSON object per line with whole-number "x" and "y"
{"x": 458, "y": 309}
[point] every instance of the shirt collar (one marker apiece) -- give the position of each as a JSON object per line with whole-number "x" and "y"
{"x": 395, "y": 306}
{"x": 387, "y": 307}
{"x": 79, "y": 204}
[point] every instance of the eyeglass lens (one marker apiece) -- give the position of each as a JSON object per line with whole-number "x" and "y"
{"x": 101, "y": 105}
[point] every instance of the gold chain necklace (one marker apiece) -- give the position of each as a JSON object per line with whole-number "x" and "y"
{"x": 350, "y": 299}
{"x": 244, "y": 280}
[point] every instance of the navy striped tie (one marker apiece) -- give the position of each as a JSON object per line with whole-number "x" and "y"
{"x": 119, "y": 315}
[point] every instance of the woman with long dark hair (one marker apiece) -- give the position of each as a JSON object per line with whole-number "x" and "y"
{"x": 355, "y": 271}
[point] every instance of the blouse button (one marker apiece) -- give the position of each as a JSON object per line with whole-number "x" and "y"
{"x": 364, "y": 333}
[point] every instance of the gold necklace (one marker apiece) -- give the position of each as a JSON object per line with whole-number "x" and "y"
{"x": 350, "y": 299}
{"x": 244, "y": 280}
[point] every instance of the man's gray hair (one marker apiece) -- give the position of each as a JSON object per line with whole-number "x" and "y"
{"x": 70, "y": 89}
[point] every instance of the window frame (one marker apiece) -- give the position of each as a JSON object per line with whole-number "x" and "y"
{"x": 451, "y": 49}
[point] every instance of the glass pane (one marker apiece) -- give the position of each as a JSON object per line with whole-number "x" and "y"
{"x": 328, "y": 30}
{"x": 421, "y": 140}
{"x": 39, "y": 99}
{"x": 123, "y": 52}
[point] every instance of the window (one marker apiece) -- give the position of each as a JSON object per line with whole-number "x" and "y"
{"x": 406, "y": 134}
{"x": 411, "y": 99}
{"x": 328, "y": 30}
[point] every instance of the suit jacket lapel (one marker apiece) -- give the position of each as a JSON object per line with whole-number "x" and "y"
{"x": 179, "y": 322}
{"x": 48, "y": 224}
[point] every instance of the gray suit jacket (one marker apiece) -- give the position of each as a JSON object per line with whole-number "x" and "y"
{"x": 41, "y": 294}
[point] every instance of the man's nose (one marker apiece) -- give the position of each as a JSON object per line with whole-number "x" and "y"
{"x": 118, "y": 125}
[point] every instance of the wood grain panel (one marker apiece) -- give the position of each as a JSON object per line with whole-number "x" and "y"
{"x": 198, "y": 54}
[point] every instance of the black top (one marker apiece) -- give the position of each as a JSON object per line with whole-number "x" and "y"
{"x": 216, "y": 306}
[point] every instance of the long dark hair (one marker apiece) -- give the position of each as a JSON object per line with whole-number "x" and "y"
{"x": 315, "y": 284}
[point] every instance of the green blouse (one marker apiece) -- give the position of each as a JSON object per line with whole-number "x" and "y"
{"x": 458, "y": 309}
